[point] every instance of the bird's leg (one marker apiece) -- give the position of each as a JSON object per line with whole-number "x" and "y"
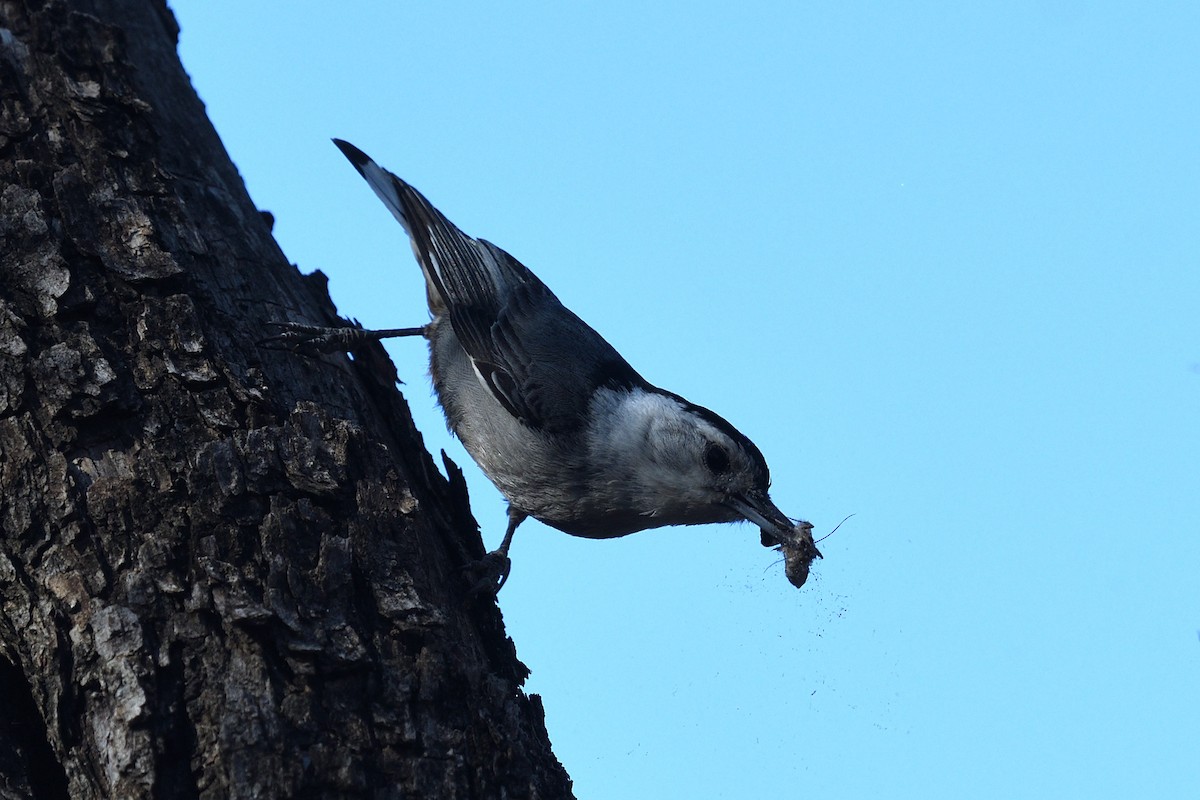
{"x": 298, "y": 337}
{"x": 492, "y": 570}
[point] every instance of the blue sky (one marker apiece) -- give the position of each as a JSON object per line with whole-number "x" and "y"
{"x": 940, "y": 261}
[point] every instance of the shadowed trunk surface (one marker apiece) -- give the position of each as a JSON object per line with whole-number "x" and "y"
{"x": 224, "y": 571}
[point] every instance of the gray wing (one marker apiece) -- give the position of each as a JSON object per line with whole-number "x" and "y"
{"x": 536, "y": 357}
{"x": 546, "y": 362}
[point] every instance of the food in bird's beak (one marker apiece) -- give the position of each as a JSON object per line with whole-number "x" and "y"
{"x": 798, "y": 550}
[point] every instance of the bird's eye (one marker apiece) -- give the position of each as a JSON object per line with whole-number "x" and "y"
{"x": 716, "y": 459}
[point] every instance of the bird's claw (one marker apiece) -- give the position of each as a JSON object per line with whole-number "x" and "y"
{"x": 489, "y": 573}
{"x": 301, "y": 338}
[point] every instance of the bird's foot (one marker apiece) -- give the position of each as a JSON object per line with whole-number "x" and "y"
{"x": 489, "y": 573}
{"x": 311, "y": 339}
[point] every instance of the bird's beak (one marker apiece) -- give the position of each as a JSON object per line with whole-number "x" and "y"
{"x": 758, "y": 508}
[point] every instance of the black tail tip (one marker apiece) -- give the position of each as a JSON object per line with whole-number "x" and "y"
{"x": 357, "y": 157}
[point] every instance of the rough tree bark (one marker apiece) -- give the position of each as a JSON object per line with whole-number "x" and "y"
{"x": 224, "y": 571}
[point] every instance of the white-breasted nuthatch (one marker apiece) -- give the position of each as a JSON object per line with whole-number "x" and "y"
{"x": 564, "y": 427}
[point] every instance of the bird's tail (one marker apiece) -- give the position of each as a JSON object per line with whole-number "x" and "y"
{"x": 456, "y": 272}
{"x": 381, "y": 181}
{"x": 460, "y": 272}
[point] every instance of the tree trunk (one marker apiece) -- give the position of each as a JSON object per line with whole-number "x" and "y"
{"x": 225, "y": 571}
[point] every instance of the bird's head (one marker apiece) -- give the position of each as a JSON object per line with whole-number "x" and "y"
{"x": 691, "y": 466}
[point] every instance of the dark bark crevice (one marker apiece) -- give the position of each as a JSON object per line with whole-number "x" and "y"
{"x": 28, "y": 765}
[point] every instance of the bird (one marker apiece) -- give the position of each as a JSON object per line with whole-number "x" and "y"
{"x": 564, "y": 427}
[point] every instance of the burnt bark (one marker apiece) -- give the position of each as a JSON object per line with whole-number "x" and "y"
{"x": 225, "y": 571}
